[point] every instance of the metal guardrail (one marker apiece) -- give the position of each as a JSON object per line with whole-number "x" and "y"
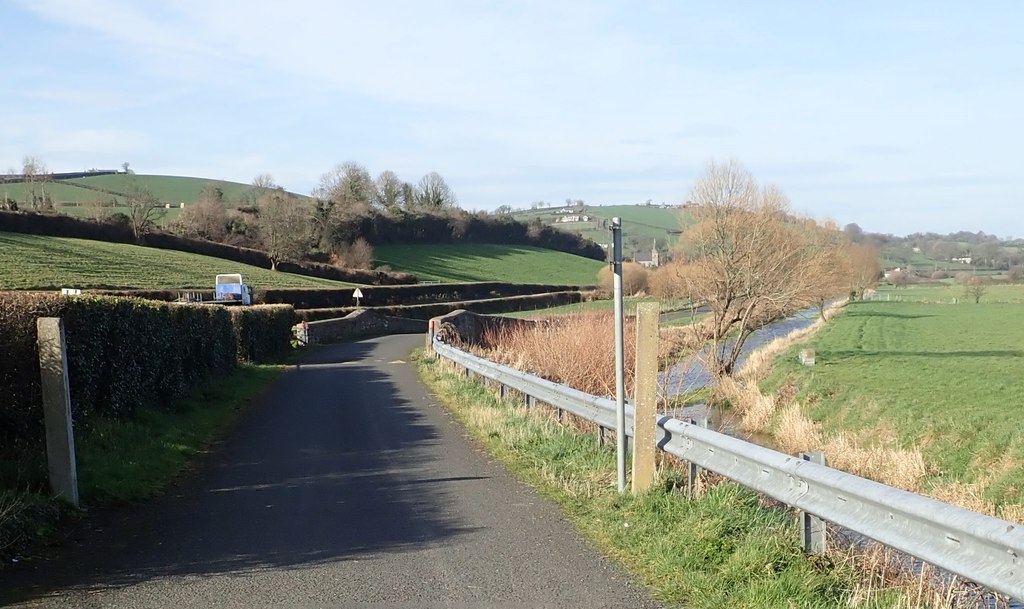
{"x": 977, "y": 547}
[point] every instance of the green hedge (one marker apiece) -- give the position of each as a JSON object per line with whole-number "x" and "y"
{"x": 390, "y": 296}
{"x": 427, "y": 311}
{"x": 262, "y": 333}
{"x": 122, "y": 353}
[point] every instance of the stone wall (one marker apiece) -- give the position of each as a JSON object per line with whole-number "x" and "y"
{"x": 465, "y": 327}
{"x": 356, "y": 325}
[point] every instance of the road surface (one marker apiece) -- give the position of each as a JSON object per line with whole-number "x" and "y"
{"x": 346, "y": 485}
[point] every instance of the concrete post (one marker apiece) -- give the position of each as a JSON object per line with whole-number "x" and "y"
{"x": 812, "y": 528}
{"x": 646, "y": 399}
{"x": 60, "y": 437}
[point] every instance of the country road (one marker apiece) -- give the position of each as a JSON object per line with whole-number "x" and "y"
{"x": 346, "y": 485}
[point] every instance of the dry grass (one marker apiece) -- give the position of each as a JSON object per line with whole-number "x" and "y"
{"x": 575, "y": 350}
{"x": 918, "y": 584}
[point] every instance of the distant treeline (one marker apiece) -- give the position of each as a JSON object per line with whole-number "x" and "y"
{"x": 457, "y": 226}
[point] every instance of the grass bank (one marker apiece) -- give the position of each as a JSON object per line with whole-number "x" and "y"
{"x": 943, "y": 380}
{"x": 30, "y": 262}
{"x": 489, "y": 262}
{"x": 722, "y": 550}
{"x": 124, "y": 460}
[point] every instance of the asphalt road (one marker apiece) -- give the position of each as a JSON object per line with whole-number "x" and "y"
{"x": 346, "y": 485}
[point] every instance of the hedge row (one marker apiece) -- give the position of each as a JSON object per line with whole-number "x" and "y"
{"x": 124, "y": 352}
{"x": 457, "y": 226}
{"x": 67, "y": 226}
{"x": 316, "y": 298}
{"x": 426, "y": 311}
{"x": 262, "y": 333}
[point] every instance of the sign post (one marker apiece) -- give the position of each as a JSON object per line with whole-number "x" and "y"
{"x": 620, "y": 371}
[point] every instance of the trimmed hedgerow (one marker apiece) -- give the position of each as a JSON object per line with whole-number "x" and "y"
{"x": 263, "y": 333}
{"x": 122, "y": 353}
{"x": 528, "y": 302}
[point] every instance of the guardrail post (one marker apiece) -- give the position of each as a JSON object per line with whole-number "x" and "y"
{"x": 692, "y": 469}
{"x": 60, "y": 435}
{"x": 646, "y": 398}
{"x": 812, "y": 528}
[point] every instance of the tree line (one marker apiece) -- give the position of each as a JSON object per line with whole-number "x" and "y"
{"x": 349, "y": 212}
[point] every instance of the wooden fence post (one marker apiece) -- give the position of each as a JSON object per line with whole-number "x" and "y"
{"x": 645, "y": 398}
{"x": 60, "y": 436}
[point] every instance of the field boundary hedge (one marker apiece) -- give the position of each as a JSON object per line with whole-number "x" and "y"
{"x": 512, "y": 304}
{"x": 125, "y": 353}
{"x": 377, "y": 296}
{"x": 66, "y": 226}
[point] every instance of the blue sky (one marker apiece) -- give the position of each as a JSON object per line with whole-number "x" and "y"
{"x": 899, "y": 116}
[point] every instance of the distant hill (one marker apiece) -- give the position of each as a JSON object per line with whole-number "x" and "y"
{"x": 642, "y": 225}
{"x": 85, "y": 193}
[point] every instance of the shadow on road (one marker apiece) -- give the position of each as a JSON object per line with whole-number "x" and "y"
{"x": 331, "y": 464}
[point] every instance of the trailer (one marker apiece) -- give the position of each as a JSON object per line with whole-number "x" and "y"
{"x": 230, "y": 289}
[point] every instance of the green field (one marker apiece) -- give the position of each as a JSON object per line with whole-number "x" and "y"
{"x": 168, "y": 189}
{"x": 36, "y": 262}
{"x": 948, "y": 292}
{"x": 59, "y": 192}
{"x": 77, "y": 195}
{"x": 487, "y": 262}
{"x": 944, "y": 378}
{"x": 639, "y": 221}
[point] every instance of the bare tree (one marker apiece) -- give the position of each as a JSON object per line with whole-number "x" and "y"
{"x": 205, "y": 219}
{"x": 975, "y": 288}
{"x": 35, "y": 174}
{"x": 388, "y": 191}
{"x": 865, "y": 266}
{"x": 746, "y": 258}
{"x": 144, "y": 209}
{"x": 260, "y": 185}
{"x": 349, "y": 186}
{"x": 283, "y": 227}
{"x": 834, "y": 266}
{"x": 433, "y": 193}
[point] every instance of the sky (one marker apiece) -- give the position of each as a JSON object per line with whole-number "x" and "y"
{"x": 901, "y": 116}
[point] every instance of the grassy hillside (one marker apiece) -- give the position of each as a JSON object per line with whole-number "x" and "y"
{"x": 59, "y": 192}
{"x": 641, "y": 225}
{"x": 944, "y": 378}
{"x": 168, "y": 189}
{"x": 36, "y": 262}
{"x": 485, "y": 262}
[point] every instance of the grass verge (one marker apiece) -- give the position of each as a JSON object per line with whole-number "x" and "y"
{"x": 131, "y": 459}
{"x": 724, "y": 549}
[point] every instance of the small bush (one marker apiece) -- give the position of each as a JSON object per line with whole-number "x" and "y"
{"x": 937, "y": 275}
{"x": 634, "y": 278}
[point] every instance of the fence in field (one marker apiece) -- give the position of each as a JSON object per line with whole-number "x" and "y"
{"x": 977, "y": 547}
